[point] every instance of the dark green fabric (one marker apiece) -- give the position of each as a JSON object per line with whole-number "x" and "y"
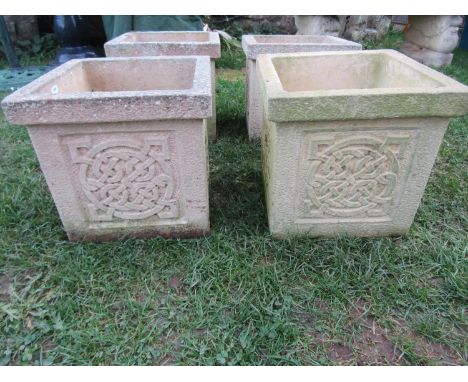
{"x": 116, "y": 25}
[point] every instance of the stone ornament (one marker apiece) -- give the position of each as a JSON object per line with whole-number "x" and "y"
{"x": 349, "y": 152}
{"x": 432, "y": 39}
{"x": 123, "y": 155}
{"x": 255, "y": 45}
{"x": 353, "y": 175}
{"x": 140, "y": 44}
{"x": 126, "y": 179}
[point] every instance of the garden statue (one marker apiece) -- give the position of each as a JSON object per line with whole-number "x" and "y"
{"x": 432, "y": 39}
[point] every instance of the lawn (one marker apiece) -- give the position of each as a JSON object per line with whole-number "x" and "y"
{"x": 237, "y": 296}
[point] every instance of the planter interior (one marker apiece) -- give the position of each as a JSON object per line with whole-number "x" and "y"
{"x": 338, "y": 72}
{"x": 296, "y": 39}
{"x": 122, "y": 76}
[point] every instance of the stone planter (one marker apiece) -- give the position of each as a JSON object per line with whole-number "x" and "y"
{"x": 255, "y": 45}
{"x": 122, "y": 144}
{"x": 350, "y": 138}
{"x": 133, "y": 44}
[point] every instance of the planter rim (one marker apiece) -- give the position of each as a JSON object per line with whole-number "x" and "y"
{"x": 26, "y": 106}
{"x": 211, "y": 47}
{"x": 448, "y": 100}
{"x": 253, "y": 48}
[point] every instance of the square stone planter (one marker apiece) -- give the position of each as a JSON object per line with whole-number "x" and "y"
{"x": 349, "y": 139}
{"x": 122, "y": 144}
{"x": 136, "y": 44}
{"x": 254, "y": 45}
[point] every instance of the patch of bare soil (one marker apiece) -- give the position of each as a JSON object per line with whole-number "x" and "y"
{"x": 175, "y": 282}
{"x": 340, "y": 354}
{"x": 373, "y": 345}
{"x": 266, "y": 261}
{"x": 308, "y": 320}
{"x": 4, "y": 288}
{"x": 439, "y": 354}
{"x": 173, "y": 344}
{"x": 231, "y": 74}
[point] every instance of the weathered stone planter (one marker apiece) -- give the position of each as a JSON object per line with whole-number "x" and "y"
{"x": 122, "y": 144}
{"x": 254, "y": 45}
{"x": 350, "y": 139}
{"x": 133, "y": 44}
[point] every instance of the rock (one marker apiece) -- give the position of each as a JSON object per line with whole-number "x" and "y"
{"x": 432, "y": 39}
{"x": 329, "y": 25}
{"x": 267, "y": 24}
{"x": 358, "y": 27}
{"x": 439, "y": 33}
{"x": 426, "y": 56}
{"x": 354, "y": 28}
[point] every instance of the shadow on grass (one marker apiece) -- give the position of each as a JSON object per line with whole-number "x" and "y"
{"x": 236, "y": 185}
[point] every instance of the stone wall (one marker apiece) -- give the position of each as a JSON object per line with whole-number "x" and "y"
{"x": 277, "y": 24}
{"x": 354, "y": 28}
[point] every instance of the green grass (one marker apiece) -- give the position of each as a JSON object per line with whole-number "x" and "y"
{"x": 232, "y": 56}
{"x": 237, "y": 296}
{"x": 391, "y": 40}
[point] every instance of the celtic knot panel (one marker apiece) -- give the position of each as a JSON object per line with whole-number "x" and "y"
{"x": 126, "y": 178}
{"x": 353, "y": 176}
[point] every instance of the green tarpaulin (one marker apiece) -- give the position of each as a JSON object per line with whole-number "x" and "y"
{"x": 116, "y": 25}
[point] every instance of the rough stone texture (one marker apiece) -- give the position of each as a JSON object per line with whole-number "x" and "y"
{"x": 268, "y": 24}
{"x": 354, "y": 28}
{"x": 254, "y": 45}
{"x": 123, "y": 155}
{"x": 432, "y": 39}
{"x": 318, "y": 25}
{"x": 426, "y": 56}
{"x": 348, "y": 149}
{"x": 137, "y": 44}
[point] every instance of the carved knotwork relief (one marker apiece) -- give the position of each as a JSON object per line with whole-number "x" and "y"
{"x": 352, "y": 175}
{"x": 128, "y": 178}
